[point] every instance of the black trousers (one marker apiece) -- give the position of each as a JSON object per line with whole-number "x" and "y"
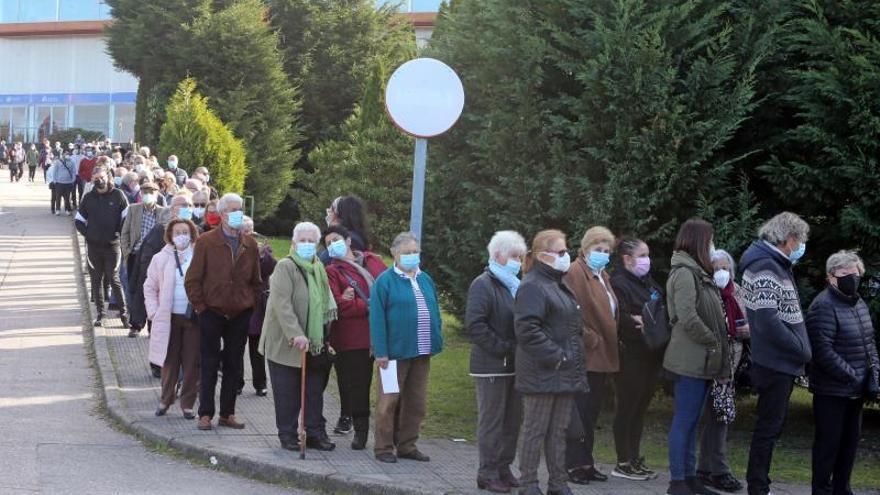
{"x": 62, "y": 192}
{"x": 638, "y": 378}
{"x": 103, "y": 267}
{"x": 13, "y": 172}
{"x": 582, "y": 433}
{"x": 774, "y": 391}
{"x": 78, "y": 192}
{"x": 222, "y": 341}
{"x": 258, "y": 364}
{"x": 286, "y": 390}
{"x": 32, "y": 171}
{"x": 354, "y": 370}
{"x": 836, "y": 440}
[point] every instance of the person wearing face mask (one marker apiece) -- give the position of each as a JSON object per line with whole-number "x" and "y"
{"x": 84, "y": 172}
{"x": 17, "y": 160}
{"x": 200, "y": 203}
{"x": 180, "y": 175}
{"x": 141, "y": 219}
{"x": 640, "y": 367}
{"x": 780, "y": 347}
{"x": 299, "y": 308}
{"x": 212, "y": 217}
{"x": 63, "y": 177}
{"x": 174, "y": 339}
{"x": 489, "y": 325}
{"x": 33, "y": 161}
{"x": 698, "y": 350}
{"x": 405, "y": 327}
{"x": 223, "y": 284}
{"x": 843, "y": 373}
{"x": 591, "y": 286}
{"x": 349, "y": 212}
{"x": 99, "y": 220}
{"x": 713, "y": 468}
{"x": 131, "y": 188}
{"x": 255, "y": 327}
{"x": 550, "y": 361}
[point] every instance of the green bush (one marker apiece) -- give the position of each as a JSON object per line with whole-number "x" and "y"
{"x": 199, "y": 139}
{"x": 69, "y": 135}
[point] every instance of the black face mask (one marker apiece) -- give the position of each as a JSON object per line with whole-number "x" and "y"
{"x": 100, "y": 185}
{"x": 849, "y": 284}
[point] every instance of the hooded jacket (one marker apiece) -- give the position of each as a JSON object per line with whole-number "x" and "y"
{"x": 773, "y": 308}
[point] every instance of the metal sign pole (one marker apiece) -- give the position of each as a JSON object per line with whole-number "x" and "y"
{"x": 418, "y": 189}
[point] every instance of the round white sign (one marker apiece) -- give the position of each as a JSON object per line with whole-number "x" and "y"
{"x": 424, "y": 97}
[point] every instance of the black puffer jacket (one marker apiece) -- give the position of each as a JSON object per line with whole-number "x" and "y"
{"x": 632, "y": 294}
{"x": 840, "y": 329}
{"x": 550, "y": 357}
{"x": 489, "y": 323}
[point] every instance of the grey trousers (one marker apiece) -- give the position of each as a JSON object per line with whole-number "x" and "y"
{"x": 545, "y": 420}
{"x": 499, "y": 408}
{"x": 713, "y": 440}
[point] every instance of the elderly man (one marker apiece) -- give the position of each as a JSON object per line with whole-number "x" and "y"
{"x": 223, "y": 283}
{"x": 200, "y": 204}
{"x": 780, "y": 346}
{"x": 180, "y": 175}
{"x": 141, "y": 219}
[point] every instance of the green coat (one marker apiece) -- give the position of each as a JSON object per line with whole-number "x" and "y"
{"x": 287, "y": 313}
{"x": 699, "y": 346}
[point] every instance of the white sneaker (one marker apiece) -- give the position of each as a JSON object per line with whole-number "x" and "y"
{"x": 57, "y": 213}
{"x": 67, "y": 213}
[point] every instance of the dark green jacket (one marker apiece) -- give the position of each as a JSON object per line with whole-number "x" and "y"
{"x": 699, "y": 346}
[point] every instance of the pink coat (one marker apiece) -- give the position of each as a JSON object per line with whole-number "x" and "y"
{"x": 158, "y": 299}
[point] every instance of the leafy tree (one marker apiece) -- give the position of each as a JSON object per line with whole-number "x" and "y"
{"x": 198, "y": 138}
{"x": 69, "y": 135}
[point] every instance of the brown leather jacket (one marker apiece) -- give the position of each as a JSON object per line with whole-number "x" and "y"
{"x": 600, "y": 332}
{"x": 221, "y": 281}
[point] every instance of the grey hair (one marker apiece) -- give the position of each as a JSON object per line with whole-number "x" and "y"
{"x": 844, "y": 259}
{"x": 780, "y": 228}
{"x": 304, "y": 227}
{"x": 223, "y": 204}
{"x": 506, "y": 242}
{"x": 247, "y": 225}
{"x": 722, "y": 255}
{"x": 401, "y": 239}
{"x": 129, "y": 177}
{"x": 144, "y": 150}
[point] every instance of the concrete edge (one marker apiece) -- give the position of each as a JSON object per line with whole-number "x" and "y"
{"x": 111, "y": 399}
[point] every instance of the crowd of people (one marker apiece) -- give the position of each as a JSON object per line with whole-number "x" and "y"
{"x": 550, "y": 347}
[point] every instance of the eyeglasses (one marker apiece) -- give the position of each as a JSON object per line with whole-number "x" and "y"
{"x": 200, "y": 205}
{"x": 558, "y": 254}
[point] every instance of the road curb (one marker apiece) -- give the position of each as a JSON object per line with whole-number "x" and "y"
{"x": 113, "y": 401}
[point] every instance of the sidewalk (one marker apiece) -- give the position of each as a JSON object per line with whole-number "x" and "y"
{"x": 132, "y": 396}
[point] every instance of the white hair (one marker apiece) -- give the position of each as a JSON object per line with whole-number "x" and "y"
{"x": 223, "y": 204}
{"x": 303, "y": 227}
{"x": 506, "y": 242}
{"x": 780, "y": 228}
{"x": 144, "y": 150}
{"x": 247, "y": 225}
{"x": 722, "y": 255}
{"x": 401, "y": 239}
{"x": 842, "y": 260}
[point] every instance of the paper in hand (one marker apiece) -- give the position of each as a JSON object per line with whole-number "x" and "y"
{"x": 389, "y": 378}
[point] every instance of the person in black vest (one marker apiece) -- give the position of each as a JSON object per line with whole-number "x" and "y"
{"x": 843, "y": 373}
{"x": 99, "y": 220}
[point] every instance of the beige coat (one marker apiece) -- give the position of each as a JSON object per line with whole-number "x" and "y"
{"x": 131, "y": 227}
{"x": 287, "y": 313}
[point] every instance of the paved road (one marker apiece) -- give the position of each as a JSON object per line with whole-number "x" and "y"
{"x": 52, "y": 440}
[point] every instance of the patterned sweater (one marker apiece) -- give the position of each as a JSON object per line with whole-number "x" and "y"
{"x": 773, "y": 308}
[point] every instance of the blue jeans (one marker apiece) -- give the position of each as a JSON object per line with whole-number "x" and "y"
{"x": 689, "y": 398}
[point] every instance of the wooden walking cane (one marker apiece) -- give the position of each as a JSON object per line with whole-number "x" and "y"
{"x": 302, "y": 409}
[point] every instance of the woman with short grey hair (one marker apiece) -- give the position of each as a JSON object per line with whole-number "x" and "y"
{"x": 843, "y": 373}
{"x": 489, "y": 324}
{"x": 405, "y": 329}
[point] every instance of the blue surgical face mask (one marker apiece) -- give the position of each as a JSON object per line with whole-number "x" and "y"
{"x": 117, "y": 181}
{"x": 409, "y": 262}
{"x": 598, "y": 260}
{"x": 512, "y": 267}
{"x": 798, "y": 253}
{"x": 235, "y": 219}
{"x": 337, "y": 249}
{"x": 185, "y": 213}
{"x": 306, "y": 250}
{"x": 172, "y": 165}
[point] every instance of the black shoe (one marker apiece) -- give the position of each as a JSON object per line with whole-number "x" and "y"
{"x": 594, "y": 475}
{"x": 343, "y": 426}
{"x": 415, "y": 455}
{"x": 262, "y": 392}
{"x": 292, "y": 445}
{"x": 724, "y": 482}
{"x": 643, "y": 468}
{"x": 679, "y": 488}
{"x": 628, "y": 472}
{"x": 160, "y": 411}
{"x": 562, "y": 491}
{"x": 578, "y": 476}
{"x": 387, "y": 458}
{"x": 189, "y": 415}
{"x": 360, "y": 440}
{"x": 99, "y": 321}
{"x": 322, "y": 444}
{"x": 125, "y": 323}
{"x": 156, "y": 370}
{"x": 698, "y": 487}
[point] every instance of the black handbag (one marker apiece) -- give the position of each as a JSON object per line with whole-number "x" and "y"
{"x": 190, "y": 313}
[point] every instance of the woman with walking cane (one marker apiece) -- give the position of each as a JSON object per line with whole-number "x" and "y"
{"x": 298, "y": 311}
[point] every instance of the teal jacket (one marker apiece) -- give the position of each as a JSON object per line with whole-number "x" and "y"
{"x": 394, "y": 316}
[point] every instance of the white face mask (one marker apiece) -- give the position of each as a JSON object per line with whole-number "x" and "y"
{"x": 562, "y": 263}
{"x": 722, "y": 278}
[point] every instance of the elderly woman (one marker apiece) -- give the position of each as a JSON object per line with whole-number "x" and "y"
{"x": 713, "y": 469}
{"x": 131, "y": 187}
{"x": 489, "y": 324}
{"x": 405, "y": 328}
{"x": 698, "y": 350}
{"x": 299, "y": 308}
{"x": 212, "y": 216}
{"x": 175, "y": 337}
{"x": 591, "y": 286}
{"x": 843, "y": 374}
{"x": 639, "y": 365}
{"x": 352, "y": 274}
{"x": 550, "y": 360}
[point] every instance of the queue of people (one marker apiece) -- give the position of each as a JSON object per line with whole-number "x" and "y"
{"x": 549, "y": 348}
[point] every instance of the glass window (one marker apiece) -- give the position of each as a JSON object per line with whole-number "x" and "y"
{"x": 37, "y": 10}
{"x": 92, "y": 117}
{"x": 83, "y": 10}
{"x": 123, "y": 128}
{"x": 5, "y": 122}
{"x": 59, "y": 119}
{"x": 49, "y": 120}
{"x": 19, "y": 123}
